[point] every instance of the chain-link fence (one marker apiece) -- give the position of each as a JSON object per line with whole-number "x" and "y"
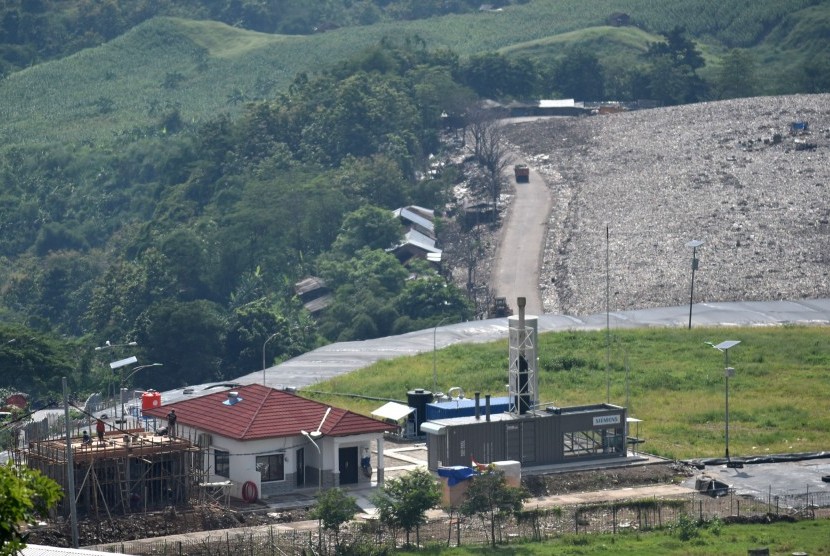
{"x": 533, "y": 523}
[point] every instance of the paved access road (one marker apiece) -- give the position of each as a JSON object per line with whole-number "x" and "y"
{"x": 519, "y": 255}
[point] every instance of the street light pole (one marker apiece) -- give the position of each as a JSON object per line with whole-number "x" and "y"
{"x": 265, "y": 343}
{"x": 694, "y": 244}
{"x": 124, "y": 379}
{"x": 120, "y": 365}
{"x": 109, "y": 345}
{"x": 311, "y": 436}
{"x": 728, "y": 372}
{"x": 434, "y": 349}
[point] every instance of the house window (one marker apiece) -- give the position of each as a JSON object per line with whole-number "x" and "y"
{"x": 222, "y": 463}
{"x": 271, "y": 468}
{"x": 594, "y": 442}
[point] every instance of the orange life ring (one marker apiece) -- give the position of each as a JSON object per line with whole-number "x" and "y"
{"x": 249, "y": 492}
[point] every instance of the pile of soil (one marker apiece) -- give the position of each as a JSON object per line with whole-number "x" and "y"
{"x": 607, "y": 479}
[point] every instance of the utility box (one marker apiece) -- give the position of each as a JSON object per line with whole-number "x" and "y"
{"x": 455, "y": 481}
{"x": 512, "y": 472}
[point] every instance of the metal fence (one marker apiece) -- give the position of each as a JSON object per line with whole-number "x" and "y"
{"x": 535, "y": 524}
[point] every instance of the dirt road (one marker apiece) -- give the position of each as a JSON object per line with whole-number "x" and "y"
{"x": 519, "y": 255}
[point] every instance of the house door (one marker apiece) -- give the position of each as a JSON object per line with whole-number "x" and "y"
{"x": 348, "y": 465}
{"x": 300, "y": 467}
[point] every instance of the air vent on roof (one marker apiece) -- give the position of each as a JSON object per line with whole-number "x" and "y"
{"x": 233, "y": 398}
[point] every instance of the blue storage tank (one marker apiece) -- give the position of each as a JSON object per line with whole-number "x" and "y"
{"x": 465, "y": 407}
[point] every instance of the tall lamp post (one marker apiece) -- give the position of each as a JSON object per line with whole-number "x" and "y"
{"x": 434, "y": 346}
{"x": 120, "y": 365}
{"x": 126, "y": 378}
{"x": 311, "y": 436}
{"x": 109, "y": 345}
{"x": 265, "y": 343}
{"x": 728, "y": 372}
{"x": 694, "y": 244}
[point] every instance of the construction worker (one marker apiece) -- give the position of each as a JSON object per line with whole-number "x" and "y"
{"x": 171, "y": 423}
{"x": 100, "y": 427}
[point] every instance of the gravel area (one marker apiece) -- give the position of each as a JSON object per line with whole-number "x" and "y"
{"x": 660, "y": 178}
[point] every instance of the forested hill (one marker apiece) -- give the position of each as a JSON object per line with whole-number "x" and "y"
{"x": 199, "y": 67}
{"x": 170, "y": 181}
{"x": 35, "y": 31}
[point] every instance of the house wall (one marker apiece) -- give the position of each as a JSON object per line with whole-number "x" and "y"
{"x": 243, "y": 460}
{"x": 362, "y": 443}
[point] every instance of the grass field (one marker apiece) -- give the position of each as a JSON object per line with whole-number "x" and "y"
{"x": 668, "y": 377}
{"x": 810, "y": 537}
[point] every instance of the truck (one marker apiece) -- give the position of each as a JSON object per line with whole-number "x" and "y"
{"x": 500, "y": 308}
{"x": 522, "y": 173}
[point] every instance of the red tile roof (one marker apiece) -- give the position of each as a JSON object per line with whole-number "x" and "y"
{"x": 264, "y": 412}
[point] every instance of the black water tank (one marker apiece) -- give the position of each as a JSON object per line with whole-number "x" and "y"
{"x": 419, "y": 398}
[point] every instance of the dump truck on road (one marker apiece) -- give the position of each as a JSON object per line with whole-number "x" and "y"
{"x": 522, "y": 173}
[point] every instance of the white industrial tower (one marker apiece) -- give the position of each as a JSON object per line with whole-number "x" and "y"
{"x": 523, "y": 379}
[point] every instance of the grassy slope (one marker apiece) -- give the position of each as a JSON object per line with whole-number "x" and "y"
{"x": 667, "y": 377}
{"x": 117, "y": 88}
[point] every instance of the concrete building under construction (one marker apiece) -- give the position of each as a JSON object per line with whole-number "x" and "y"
{"x": 128, "y": 471}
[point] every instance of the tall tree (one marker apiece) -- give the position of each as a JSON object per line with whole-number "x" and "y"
{"x": 492, "y": 499}
{"x": 679, "y": 48}
{"x": 33, "y": 363}
{"x": 334, "y": 508}
{"x": 188, "y": 337}
{"x": 672, "y": 75}
{"x": 403, "y": 501}
{"x": 736, "y": 76}
{"x": 490, "y": 151}
{"x": 493, "y": 75}
{"x": 579, "y": 75}
{"x": 368, "y": 227}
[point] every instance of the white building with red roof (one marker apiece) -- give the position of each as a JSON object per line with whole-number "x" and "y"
{"x": 267, "y": 442}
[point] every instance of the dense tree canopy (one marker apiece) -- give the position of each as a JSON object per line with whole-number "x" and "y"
{"x": 190, "y": 241}
{"x": 189, "y": 237}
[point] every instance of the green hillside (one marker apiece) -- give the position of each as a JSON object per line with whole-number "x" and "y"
{"x": 200, "y": 68}
{"x": 196, "y": 67}
{"x": 185, "y": 174}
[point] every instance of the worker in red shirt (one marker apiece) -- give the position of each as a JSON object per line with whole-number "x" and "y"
{"x": 100, "y": 427}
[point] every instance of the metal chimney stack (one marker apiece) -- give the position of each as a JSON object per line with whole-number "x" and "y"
{"x": 523, "y": 382}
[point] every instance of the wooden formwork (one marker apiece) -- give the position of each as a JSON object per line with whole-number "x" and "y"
{"x": 129, "y": 471}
